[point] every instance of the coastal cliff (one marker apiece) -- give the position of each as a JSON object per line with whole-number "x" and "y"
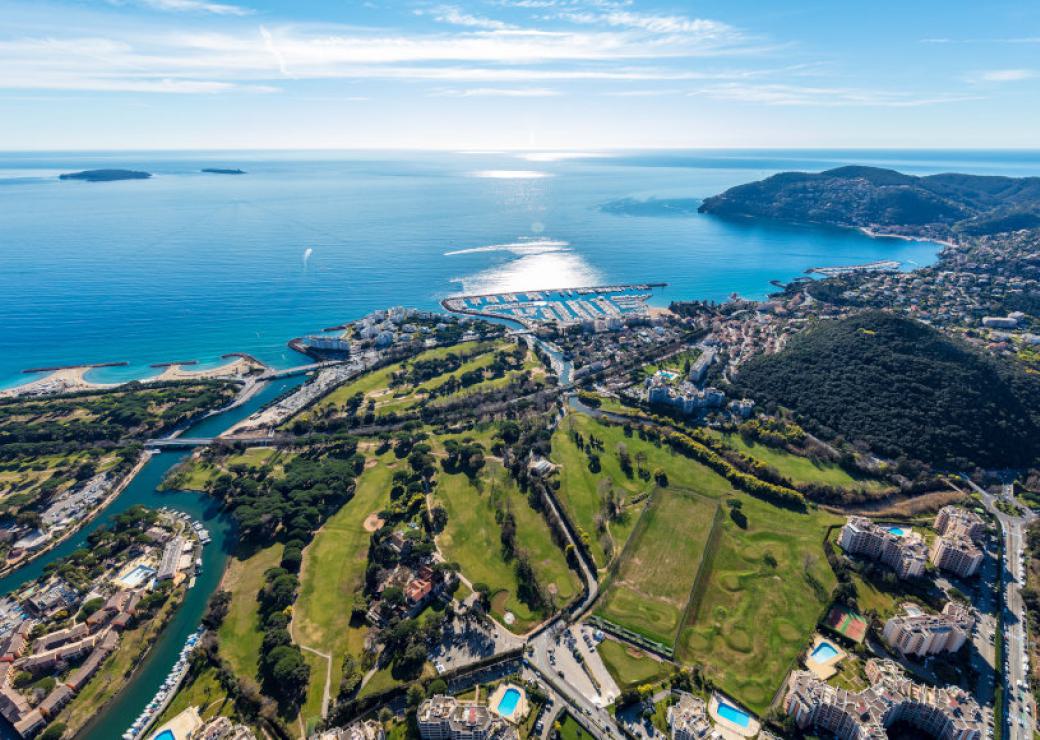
{"x": 936, "y": 206}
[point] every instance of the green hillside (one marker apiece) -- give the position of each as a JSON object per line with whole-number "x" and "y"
{"x": 904, "y": 389}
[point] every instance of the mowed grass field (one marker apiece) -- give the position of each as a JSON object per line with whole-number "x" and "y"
{"x": 240, "y": 635}
{"x": 655, "y": 576}
{"x": 753, "y": 618}
{"x": 375, "y": 386}
{"x": 472, "y": 538}
{"x": 631, "y": 667}
{"x": 796, "y": 468}
{"x": 333, "y": 571}
{"x": 582, "y": 492}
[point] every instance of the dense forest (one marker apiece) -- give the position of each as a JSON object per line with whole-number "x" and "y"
{"x": 905, "y": 390}
{"x": 936, "y": 205}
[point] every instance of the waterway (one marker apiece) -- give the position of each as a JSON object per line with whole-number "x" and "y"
{"x": 144, "y": 489}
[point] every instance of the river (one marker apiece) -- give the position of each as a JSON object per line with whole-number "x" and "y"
{"x": 144, "y": 489}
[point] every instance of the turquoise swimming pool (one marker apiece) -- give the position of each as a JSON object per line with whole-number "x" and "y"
{"x": 824, "y": 652}
{"x": 164, "y": 735}
{"x": 897, "y": 531}
{"x": 507, "y": 704}
{"x": 734, "y": 715}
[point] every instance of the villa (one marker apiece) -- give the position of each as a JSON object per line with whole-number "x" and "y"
{"x": 945, "y": 713}
{"x": 905, "y": 552}
{"x": 446, "y": 718}
{"x": 927, "y": 634}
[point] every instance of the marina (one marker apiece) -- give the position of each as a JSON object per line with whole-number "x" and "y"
{"x": 561, "y": 306}
{"x": 166, "y": 692}
{"x": 876, "y": 266}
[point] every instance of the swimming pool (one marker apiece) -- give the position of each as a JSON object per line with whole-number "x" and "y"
{"x": 897, "y": 531}
{"x": 164, "y": 735}
{"x": 507, "y": 704}
{"x": 136, "y": 577}
{"x": 824, "y": 652}
{"x": 732, "y": 714}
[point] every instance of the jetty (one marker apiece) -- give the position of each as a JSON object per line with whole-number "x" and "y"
{"x": 56, "y": 368}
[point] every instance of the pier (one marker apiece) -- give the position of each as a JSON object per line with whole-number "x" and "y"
{"x": 56, "y": 368}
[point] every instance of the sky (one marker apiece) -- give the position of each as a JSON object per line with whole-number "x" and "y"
{"x": 518, "y": 74}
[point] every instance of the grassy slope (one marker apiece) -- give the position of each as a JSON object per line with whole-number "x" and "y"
{"x": 581, "y": 490}
{"x": 629, "y": 666}
{"x": 472, "y": 538}
{"x": 653, "y": 583}
{"x": 794, "y": 467}
{"x": 240, "y": 636}
{"x": 754, "y": 620}
{"x": 333, "y": 570}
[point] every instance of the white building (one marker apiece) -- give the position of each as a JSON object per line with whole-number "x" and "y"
{"x": 905, "y": 552}
{"x": 929, "y": 634}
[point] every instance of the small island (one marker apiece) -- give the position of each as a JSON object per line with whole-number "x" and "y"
{"x": 222, "y": 171}
{"x": 105, "y": 175}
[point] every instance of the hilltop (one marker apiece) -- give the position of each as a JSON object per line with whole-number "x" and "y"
{"x": 105, "y": 175}
{"x": 888, "y": 201}
{"x": 904, "y": 389}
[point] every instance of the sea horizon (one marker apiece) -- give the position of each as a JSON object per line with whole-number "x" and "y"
{"x": 303, "y": 241}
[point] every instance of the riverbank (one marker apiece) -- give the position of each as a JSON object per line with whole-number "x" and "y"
{"x": 9, "y": 568}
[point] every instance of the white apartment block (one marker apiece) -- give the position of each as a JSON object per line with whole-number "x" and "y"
{"x": 958, "y": 554}
{"x": 905, "y": 553}
{"x": 952, "y": 520}
{"x": 446, "y": 718}
{"x": 688, "y": 718}
{"x": 928, "y": 634}
{"x": 945, "y": 713}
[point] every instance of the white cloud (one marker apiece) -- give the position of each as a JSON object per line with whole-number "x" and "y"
{"x": 501, "y": 92}
{"x": 1006, "y": 75}
{"x": 826, "y": 97}
{"x": 195, "y": 6}
{"x": 456, "y": 17}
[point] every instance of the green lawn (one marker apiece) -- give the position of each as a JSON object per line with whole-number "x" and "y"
{"x": 754, "y": 619}
{"x": 582, "y": 492}
{"x": 240, "y": 635}
{"x": 333, "y": 571}
{"x": 205, "y": 693}
{"x": 797, "y": 469}
{"x": 197, "y": 474}
{"x": 655, "y": 577}
{"x": 472, "y": 538}
{"x": 631, "y": 667}
{"x": 571, "y": 730}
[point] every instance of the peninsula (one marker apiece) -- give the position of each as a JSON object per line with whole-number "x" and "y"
{"x": 888, "y": 202}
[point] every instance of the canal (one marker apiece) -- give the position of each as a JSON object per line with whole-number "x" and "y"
{"x": 144, "y": 489}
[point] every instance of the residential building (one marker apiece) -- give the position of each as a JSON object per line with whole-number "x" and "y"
{"x": 955, "y": 520}
{"x": 947, "y": 713}
{"x": 920, "y": 634}
{"x": 446, "y": 718}
{"x": 905, "y": 552}
{"x": 171, "y": 559}
{"x": 957, "y": 554}
{"x": 688, "y": 718}
{"x": 367, "y": 730}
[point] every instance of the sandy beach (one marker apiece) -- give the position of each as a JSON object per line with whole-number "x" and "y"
{"x": 237, "y": 368}
{"x": 66, "y": 380}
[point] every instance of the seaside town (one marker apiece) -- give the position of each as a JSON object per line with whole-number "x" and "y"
{"x": 554, "y": 513}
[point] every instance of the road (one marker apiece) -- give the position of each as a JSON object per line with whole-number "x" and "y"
{"x": 1019, "y": 709}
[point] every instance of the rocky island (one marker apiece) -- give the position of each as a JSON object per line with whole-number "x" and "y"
{"x": 105, "y": 175}
{"x": 885, "y": 201}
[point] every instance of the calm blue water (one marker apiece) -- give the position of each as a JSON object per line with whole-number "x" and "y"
{"x": 507, "y": 704}
{"x": 734, "y": 715}
{"x": 192, "y": 266}
{"x": 824, "y": 652}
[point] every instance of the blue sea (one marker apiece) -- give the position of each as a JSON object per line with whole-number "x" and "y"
{"x": 190, "y": 266}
